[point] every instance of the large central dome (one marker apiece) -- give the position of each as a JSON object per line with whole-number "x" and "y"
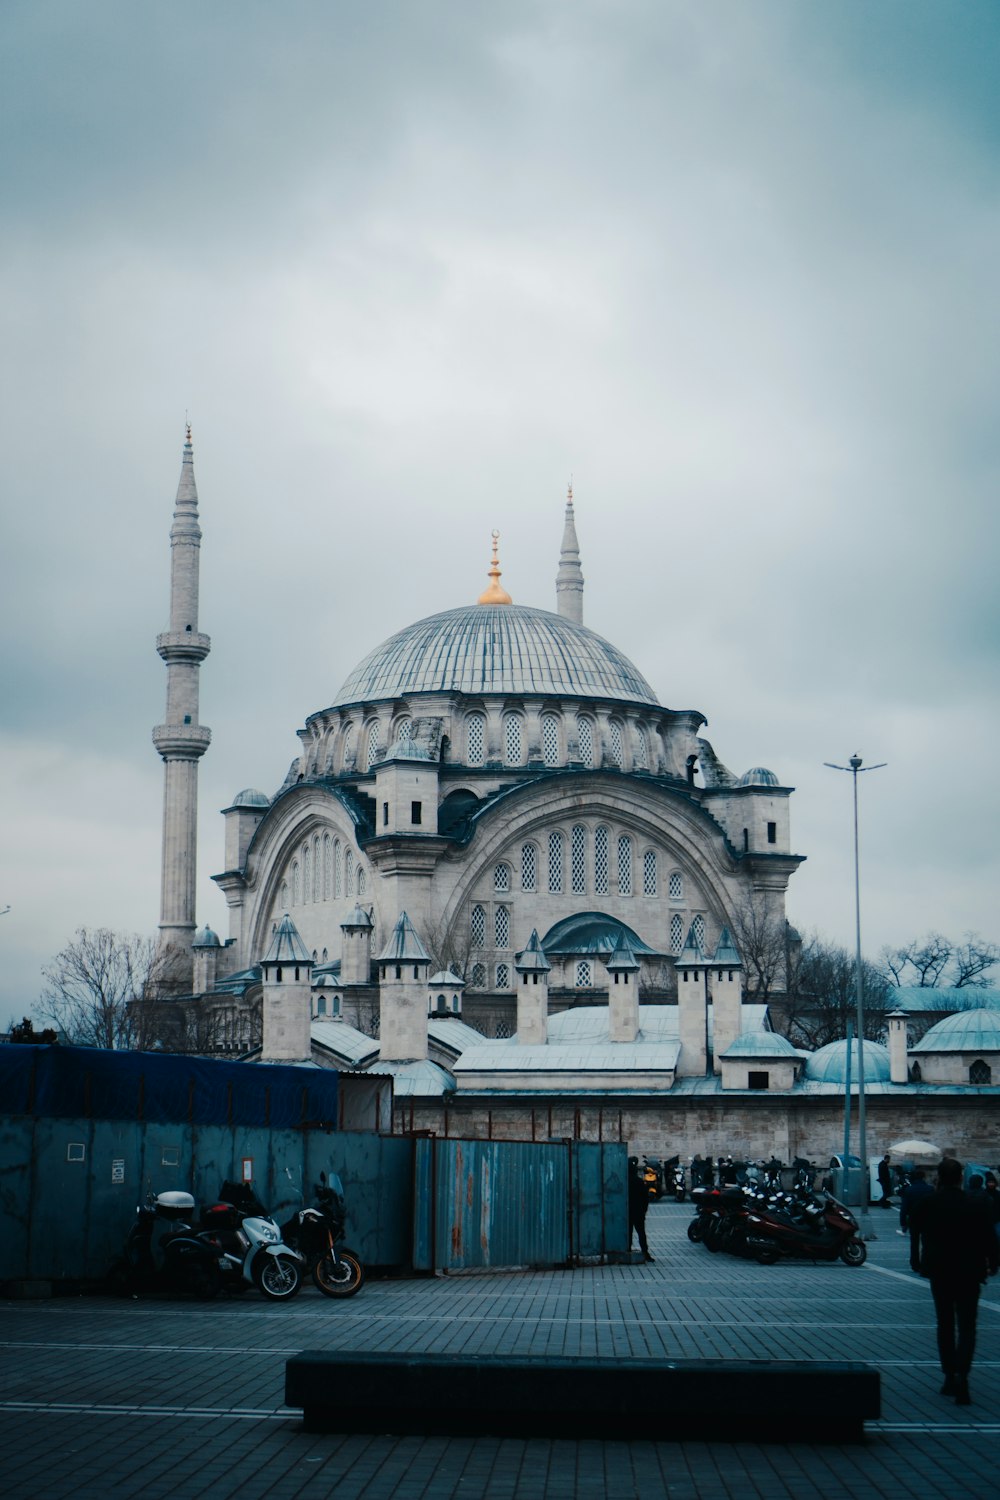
{"x": 485, "y": 650}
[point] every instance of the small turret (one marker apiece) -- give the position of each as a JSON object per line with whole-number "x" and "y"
{"x": 356, "y": 948}
{"x": 623, "y": 991}
{"x": 692, "y": 1006}
{"x": 403, "y": 966}
{"x": 532, "y": 968}
{"x": 726, "y": 971}
{"x": 287, "y": 1004}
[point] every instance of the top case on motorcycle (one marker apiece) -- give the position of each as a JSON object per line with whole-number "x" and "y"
{"x": 174, "y": 1206}
{"x": 219, "y": 1216}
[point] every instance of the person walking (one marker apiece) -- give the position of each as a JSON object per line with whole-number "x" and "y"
{"x": 918, "y": 1187}
{"x": 885, "y": 1181}
{"x": 952, "y": 1243}
{"x": 638, "y": 1203}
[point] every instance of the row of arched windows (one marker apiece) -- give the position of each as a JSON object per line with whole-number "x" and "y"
{"x": 575, "y": 864}
{"x": 356, "y": 746}
{"x": 324, "y": 869}
{"x": 501, "y": 930}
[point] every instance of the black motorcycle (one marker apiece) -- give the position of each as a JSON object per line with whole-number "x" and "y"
{"x": 180, "y": 1261}
{"x": 316, "y": 1233}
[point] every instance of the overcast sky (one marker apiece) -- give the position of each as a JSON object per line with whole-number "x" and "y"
{"x": 409, "y": 266}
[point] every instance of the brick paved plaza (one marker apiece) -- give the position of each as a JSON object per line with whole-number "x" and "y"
{"x": 100, "y": 1398}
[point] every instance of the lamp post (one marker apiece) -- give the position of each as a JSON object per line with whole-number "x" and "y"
{"x": 854, "y": 767}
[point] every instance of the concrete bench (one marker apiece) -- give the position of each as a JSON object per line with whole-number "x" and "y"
{"x": 717, "y": 1399}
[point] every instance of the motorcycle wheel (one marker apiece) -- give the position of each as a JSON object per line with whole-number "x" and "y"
{"x": 766, "y": 1255}
{"x": 853, "y": 1253}
{"x": 712, "y": 1240}
{"x": 696, "y": 1231}
{"x": 204, "y": 1281}
{"x": 338, "y": 1278}
{"x": 278, "y": 1277}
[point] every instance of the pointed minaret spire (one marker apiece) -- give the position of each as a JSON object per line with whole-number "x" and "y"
{"x": 569, "y": 579}
{"x": 495, "y": 593}
{"x": 181, "y": 740}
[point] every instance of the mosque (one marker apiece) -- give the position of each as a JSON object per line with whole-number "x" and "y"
{"x": 500, "y": 871}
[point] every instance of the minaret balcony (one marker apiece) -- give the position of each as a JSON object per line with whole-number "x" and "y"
{"x": 183, "y": 645}
{"x": 182, "y": 741}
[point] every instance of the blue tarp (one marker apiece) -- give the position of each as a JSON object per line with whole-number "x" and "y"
{"x": 89, "y": 1083}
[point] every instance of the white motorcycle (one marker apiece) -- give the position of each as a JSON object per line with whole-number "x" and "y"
{"x": 250, "y": 1244}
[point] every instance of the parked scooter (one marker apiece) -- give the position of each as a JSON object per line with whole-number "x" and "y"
{"x": 678, "y": 1183}
{"x": 250, "y": 1243}
{"x": 181, "y": 1260}
{"x": 820, "y": 1230}
{"x": 317, "y": 1233}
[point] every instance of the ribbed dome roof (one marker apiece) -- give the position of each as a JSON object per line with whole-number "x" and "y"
{"x": 829, "y": 1064}
{"x": 485, "y": 649}
{"x": 967, "y": 1031}
{"x": 759, "y": 776}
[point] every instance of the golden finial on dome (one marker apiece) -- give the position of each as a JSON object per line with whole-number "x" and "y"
{"x": 495, "y": 594}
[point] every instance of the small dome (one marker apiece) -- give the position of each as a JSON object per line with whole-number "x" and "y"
{"x": 829, "y": 1064}
{"x": 760, "y": 1044}
{"x": 250, "y": 797}
{"x": 966, "y": 1031}
{"x": 759, "y": 776}
{"x": 206, "y": 938}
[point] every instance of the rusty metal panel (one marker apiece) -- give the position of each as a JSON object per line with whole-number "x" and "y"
{"x": 599, "y": 1188}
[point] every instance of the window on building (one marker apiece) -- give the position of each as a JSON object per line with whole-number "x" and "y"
{"x": 317, "y": 882}
{"x": 601, "y": 861}
{"x": 327, "y": 867}
{"x": 584, "y": 974}
{"x": 772, "y": 833}
{"x": 321, "y": 1006}
{"x": 306, "y": 872}
{"x": 362, "y": 880}
{"x": 676, "y": 933}
{"x": 529, "y": 867}
{"x": 385, "y": 814}
{"x": 617, "y": 744}
{"x": 980, "y": 1072}
{"x": 675, "y": 886}
{"x": 404, "y": 733}
{"x": 512, "y": 740}
{"x": 649, "y": 873}
{"x": 698, "y": 928}
{"x": 349, "y": 873}
{"x": 475, "y": 739}
{"x": 501, "y": 878}
{"x": 501, "y": 926}
{"x": 758, "y": 1080}
{"x": 550, "y": 739}
{"x": 585, "y": 740}
{"x": 295, "y": 882}
{"x": 625, "y": 865}
{"x": 416, "y": 813}
{"x": 578, "y": 859}
{"x": 348, "y": 748}
{"x": 502, "y": 1031}
{"x": 641, "y": 758}
{"x": 478, "y": 980}
{"x": 503, "y": 977}
{"x": 338, "y": 870}
{"x": 477, "y": 926}
{"x": 555, "y": 863}
{"x": 373, "y": 742}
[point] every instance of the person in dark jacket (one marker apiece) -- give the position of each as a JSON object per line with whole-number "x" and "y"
{"x": 638, "y": 1203}
{"x": 953, "y": 1244}
{"x": 918, "y": 1187}
{"x": 885, "y": 1181}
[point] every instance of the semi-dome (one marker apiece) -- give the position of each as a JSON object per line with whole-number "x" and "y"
{"x": 829, "y": 1064}
{"x": 759, "y": 776}
{"x": 967, "y": 1031}
{"x": 486, "y": 650}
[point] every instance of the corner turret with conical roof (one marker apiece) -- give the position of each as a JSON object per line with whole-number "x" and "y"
{"x": 403, "y": 967}
{"x": 623, "y": 991}
{"x": 286, "y": 969}
{"x": 532, "y": 968}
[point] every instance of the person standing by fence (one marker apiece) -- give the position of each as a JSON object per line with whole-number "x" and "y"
{"x": 638, "y": 1203}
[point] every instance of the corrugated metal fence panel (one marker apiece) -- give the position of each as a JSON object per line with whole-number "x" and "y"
{"x": 490, "y": 1203}
{"x": 69, "y": 1188}
{"x": 600, "y": 1197}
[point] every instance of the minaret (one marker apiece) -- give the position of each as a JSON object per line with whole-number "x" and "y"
{"x": 569, "y": 579}
{"x": 181, "y": 740}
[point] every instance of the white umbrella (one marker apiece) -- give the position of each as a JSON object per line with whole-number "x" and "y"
{"x": 920, "y": 1153}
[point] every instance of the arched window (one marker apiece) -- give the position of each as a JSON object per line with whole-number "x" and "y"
{"x": 601, "y": 861}
{"x": 477, "y": 926}
{"x": 640, "y": 761}
{"x": 555, "y": 863}
{"x": 501, "y": 878}
{"x": 625, "y": 865}
{"x": 585, "y": 740}
{"x": 698, "y": 928}
{"x": 584, "y": 974}
{"x": 649, "y": 873}
{"x": 980, "y": 1072}
{"x": 578, "y": 859}
{"x": 321, "y": 1006}
{"x": 348, "y": 748}
{"x": 502, "y": 927}
{"x": 503, "y": 982}
{"x": 373, "y": 742}
{"x": 338, "y": 870}
{"x": 295, "y": 882}
{"x": 475, "y": 739}
{"x": 306, "y": 873}
{"x": 478, "y": 980}
{"x": 550, "y": 739}
{"x": 529, "y": 867}
{"x": 349, "y": 873}
{"x": 676, "y": 886}
{"x": 512, "y": 740}
{"x": 283, "y": 896}
{"x": 617, "y": 745}
{"x": 317, "y": 870}
{"x": 502, "y": 1030}
{"x": 327, "y": 868}
{"x": 362, "y": 880}
{"x": 404, "y": 733}
{"x": 676, "y": 932}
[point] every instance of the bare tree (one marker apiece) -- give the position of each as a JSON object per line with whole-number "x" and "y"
{"x": 824, "y": 999}
{"x": 934, "y": 961}
{"x": 761, "y": 936}
{"x": 99, "y": 988}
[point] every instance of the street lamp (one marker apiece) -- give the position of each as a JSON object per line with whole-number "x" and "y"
{"x": 854, "y": 767}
